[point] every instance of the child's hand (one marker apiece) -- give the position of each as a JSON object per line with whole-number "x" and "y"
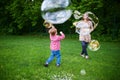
{"x": 75, "y": 23}
{"x": 61, "y": 32}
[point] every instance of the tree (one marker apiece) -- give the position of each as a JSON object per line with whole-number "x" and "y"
{"x": 24, "y": 16}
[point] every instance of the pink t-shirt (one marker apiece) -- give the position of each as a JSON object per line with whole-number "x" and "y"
{"x": 55, "y": 41}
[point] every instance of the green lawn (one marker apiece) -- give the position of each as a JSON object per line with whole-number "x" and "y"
{"x": 22, "y": 58}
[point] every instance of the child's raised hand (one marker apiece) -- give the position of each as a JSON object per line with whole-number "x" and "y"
{"x": 61, "y": 32}
{"x": 75, "y": 23}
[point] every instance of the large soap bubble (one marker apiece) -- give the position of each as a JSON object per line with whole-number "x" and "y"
{"x": 94, "y": 45}
{"x": 56, "y": 11}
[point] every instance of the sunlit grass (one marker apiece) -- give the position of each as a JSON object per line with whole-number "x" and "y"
{"x": 22, "y": 58}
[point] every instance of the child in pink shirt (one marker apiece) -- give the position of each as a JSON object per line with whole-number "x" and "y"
{"x": 55, "y": 46}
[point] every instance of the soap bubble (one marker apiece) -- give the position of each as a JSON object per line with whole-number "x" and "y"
{"x": 94, "y": 45}
{"x": 82, "y": 72}
{"x": 56, "y": 11}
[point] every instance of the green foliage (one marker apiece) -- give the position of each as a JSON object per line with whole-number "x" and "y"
{"x": 86, "y": 5}
{"x": 24, "y": 16}
{"x": 24, "y": 13}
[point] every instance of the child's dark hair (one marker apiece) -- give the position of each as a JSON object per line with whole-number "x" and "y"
{"x": 53, "y": 31}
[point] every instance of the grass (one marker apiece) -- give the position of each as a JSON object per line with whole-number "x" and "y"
{"x": 22, "y": 58}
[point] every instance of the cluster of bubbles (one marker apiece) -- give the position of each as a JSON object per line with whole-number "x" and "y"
{"x": 56, "y": 11}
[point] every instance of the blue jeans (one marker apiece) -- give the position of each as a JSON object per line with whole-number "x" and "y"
{"x": 84, "y": 47}
{"x": 54, "y": 54}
